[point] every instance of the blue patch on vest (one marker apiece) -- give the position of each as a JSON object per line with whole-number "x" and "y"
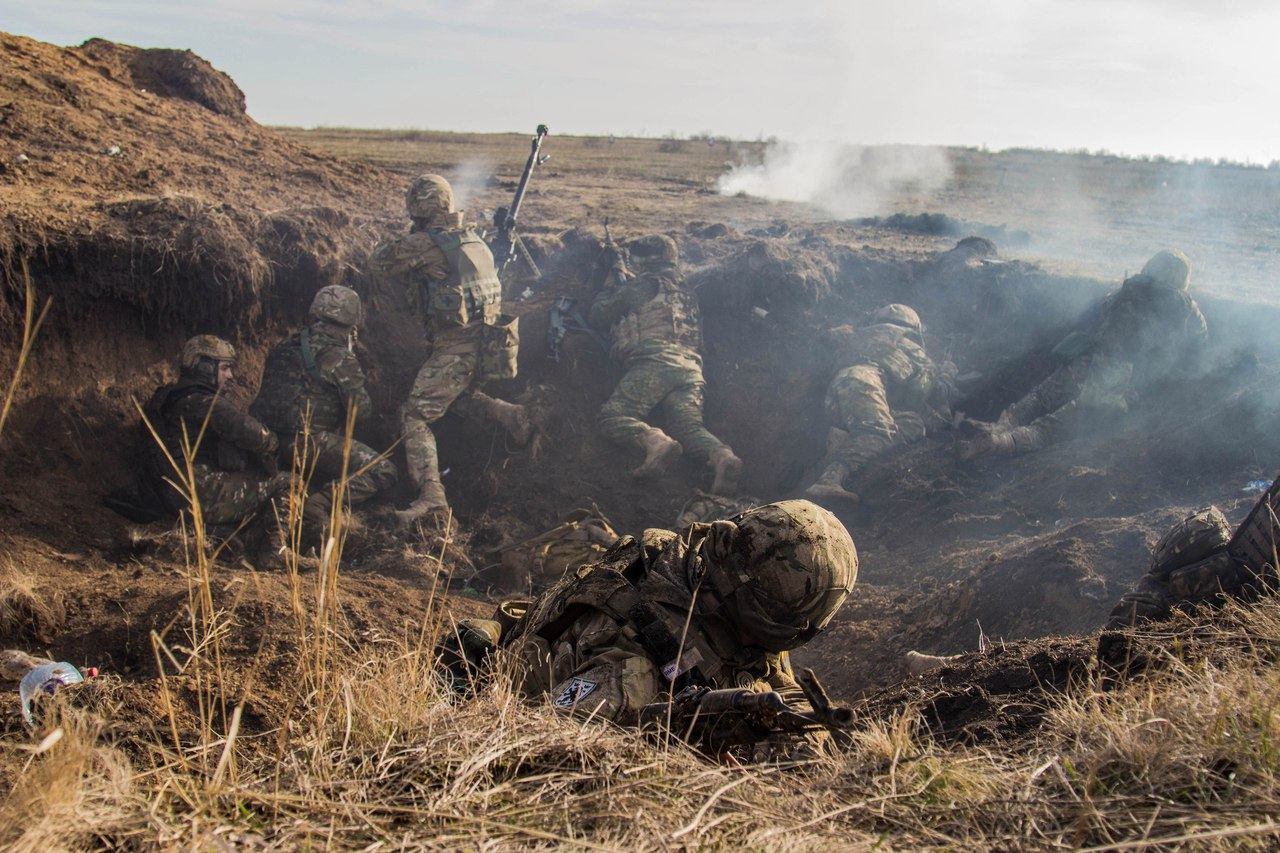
{"x": 574, "y": 692}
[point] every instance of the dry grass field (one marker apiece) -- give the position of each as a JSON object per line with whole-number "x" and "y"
{"x": 1094, "y": 215}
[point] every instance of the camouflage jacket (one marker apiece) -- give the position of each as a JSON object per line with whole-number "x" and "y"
{"x": 606, "y": 639}
{"x": 1156, "y": 330}
{"x": 184, "y": 408}
{"x": 910, "y": 377}
{"x": 653, "y": 308}
{"x": 447, "y": 274}
{"x": 312, "y": 370}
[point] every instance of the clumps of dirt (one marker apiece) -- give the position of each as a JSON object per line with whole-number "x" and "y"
{"x": 999, "y": 696}
{"x": 942, "y": 225}
{"x": 124, "y": 166}
{"x": 766, "y": 275}
{"x": 168, "y": 73}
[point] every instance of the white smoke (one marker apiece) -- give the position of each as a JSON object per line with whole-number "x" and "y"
{"x": 847, "y": 181}
{"x": 469, "y": 180}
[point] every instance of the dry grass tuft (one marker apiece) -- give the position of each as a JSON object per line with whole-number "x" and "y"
{"x": 26, "y": 611}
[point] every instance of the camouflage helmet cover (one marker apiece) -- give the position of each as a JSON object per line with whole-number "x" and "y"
{"x": 1169, "y": 268}
{"x": 653, "y": 252}
{"x": 428, "y": 196}
{"x": 780, "y": 571}
{"x": 898, "y": 314}
{"x": 337, "y": 304}
{"x": 206, "y": 346}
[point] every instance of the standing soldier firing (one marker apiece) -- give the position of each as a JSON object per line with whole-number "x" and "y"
{"x": 448, "y": 275}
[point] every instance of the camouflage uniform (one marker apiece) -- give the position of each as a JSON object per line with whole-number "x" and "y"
{"x": 448, "y": 274}
{"x": 308, "y": 384}
{"x": 226, "y": 487}
{"x": 890, "y": 394}
{"x": 1147, "y": 332}
{"x": 656, "y": 333}
{"x": 612, "y": 637}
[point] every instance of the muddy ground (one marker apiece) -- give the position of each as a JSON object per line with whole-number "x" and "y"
{"x": 148, "y": 206}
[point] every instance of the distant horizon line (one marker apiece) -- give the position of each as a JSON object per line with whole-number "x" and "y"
{"x": 1080, "y": 151}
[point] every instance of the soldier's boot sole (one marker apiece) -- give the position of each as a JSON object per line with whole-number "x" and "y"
{"x": 728, "y": 470}
{"x": 830, "y": 492}
{"x": 661, "y": 452}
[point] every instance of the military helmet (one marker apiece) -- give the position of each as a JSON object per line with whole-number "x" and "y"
{"x": 898, "y": 314}
{"x": 337, "y": 304}
{"x": 428, "y": 196}
{"x": 654, "y": 252}
{"x": 206, "y": 346}
{"x": 1170, "y": 269}
{"x": 779, "y": 572}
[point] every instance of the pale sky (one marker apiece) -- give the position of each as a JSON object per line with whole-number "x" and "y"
{"x": 1183, "y": 78}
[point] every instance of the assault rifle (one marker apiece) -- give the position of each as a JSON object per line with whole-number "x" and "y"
{"x": 717, "y": 720}
{"x": 507, "y": 243}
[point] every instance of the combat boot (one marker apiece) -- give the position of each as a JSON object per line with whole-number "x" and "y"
{"x": 830, "y": 486}
{"x": 514, "y": 418}
{"x": 660, "y": 452}
{"x": 430, "y": 501}
{"x": 727, "y": 467}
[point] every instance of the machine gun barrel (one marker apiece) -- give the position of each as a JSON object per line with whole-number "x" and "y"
{"x": 505, "y": 218}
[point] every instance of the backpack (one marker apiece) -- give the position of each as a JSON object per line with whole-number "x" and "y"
{"x": 541, "y": 560}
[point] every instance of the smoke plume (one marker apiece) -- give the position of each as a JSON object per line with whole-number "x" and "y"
{"x": 845, "y": 180}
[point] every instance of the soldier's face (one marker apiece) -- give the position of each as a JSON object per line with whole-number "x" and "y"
{"x": 225, "y": 373}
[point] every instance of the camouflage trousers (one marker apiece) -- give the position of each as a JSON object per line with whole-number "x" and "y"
{"x": 229, "y": 497}
{"x": 858, "y": 403}
{"x": 670, "y": 378}
{"x": 367, "y": 474}
{"x": 444, "y": 383}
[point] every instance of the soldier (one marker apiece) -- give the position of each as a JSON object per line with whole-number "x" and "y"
{"x": 1200, "y": 561}
{"x": 311, "y": 382}
{"x": 449, "y": 277}
{"x": 656, "y": 333}
{"x": 226, "y": 488}
{"x": 890, "y": 393}
{"x": 1148, "y": 331}
{"x": 715, "y": 605}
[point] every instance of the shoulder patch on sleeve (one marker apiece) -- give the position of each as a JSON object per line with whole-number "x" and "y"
{"x": 574, "y": 692}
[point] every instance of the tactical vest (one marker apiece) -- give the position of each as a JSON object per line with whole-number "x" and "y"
{"x": 472, "y": 293}
{"x": 621, "y": 586}
{"x": 158, "y": 413}
{"x": 292, "y": 386}
{"x": 906, "y": 366}
{"x": 670, "y": 316}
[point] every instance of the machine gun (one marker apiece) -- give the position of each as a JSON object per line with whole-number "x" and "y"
{"x": 717, "y": 720}
{"x": 507, "y": 243}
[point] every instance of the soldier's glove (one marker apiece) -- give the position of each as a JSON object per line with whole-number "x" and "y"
{"x": 269, "y": 464}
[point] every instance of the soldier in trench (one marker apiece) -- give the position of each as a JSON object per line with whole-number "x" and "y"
{"x": 656, "y": 332}
{"x": 1148, "y": 331}
{"x": 890, "y": 393}
{"x": 448, "y": 274}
